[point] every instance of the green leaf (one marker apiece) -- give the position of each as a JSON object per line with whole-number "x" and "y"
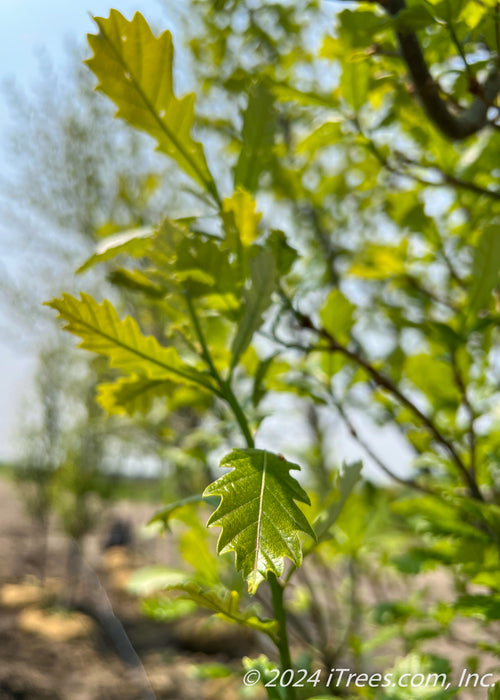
{"x": 134, "y": 242}
{"x": 165, "y": 609}
{"x": 485, "y": 607}
{"x": 259, "y": 125}
{"x": 486, "y": 268}
{"x": 196, "y": 551}
{"x": 266, "y": 669}
{"x": 194, "y": 543}
{"x": 259, "y": 517}
{"x": 494, "y": 691}
{"x": 351, "y": 474}
{"x": 101, "y": 331}
{"x": 337, "y": 315}
{"x": 226, "y": 604}
{"x": 259, "y": 389}
{"x": 204, "y": 268}
{"x": 354, "y": 83}
{"x": 287, "y": 93}
{"x": 434, "y": 377}
{"x": 284, "y": 254}
{"x": 256, "y": 300}
{"x": 134, "y": 69}
{"x": 165, "y": 514}
{"x": 325, "y": 135}
{"x": 241, "y": 217}
{"x": 413, "y": 19}
{"x": 218, "y": 599}
{"x": 379, "y": 262}
{"x": 136, "y": 281}
{"x": 129, "y": 395}
{"x": 212, "y": 670}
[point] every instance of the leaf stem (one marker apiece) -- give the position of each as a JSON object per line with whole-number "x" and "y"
{"x": 226, "y": 391}
{"x": 282, "y": 643}
{"x": 277, "y": 590}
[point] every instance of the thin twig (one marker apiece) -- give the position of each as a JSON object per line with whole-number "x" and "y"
{"x": 447, "y": 179}
{"x": 458, "y": 45}
{"x": 411, "y": 483}
{"x": 385, "y": 382}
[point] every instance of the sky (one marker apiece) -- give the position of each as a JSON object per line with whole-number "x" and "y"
{"x": 29, "y": 28}
{"x": 32, "y": 27}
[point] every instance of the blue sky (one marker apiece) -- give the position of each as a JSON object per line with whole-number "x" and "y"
{"x": 31, "y": 25}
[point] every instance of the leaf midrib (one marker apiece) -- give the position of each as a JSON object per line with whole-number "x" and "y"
{"x": 259, "y": 517}
{"x": 135, "y": 351}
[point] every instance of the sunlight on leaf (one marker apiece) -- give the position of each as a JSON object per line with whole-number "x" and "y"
{"x": 134, "y": 69}
{"x": 122, "y": 342}
{"x": 258, "y": 515}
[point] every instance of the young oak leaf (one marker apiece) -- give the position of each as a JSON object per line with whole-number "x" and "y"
{"x": 225, "y": 604}
{"x": 240, "y": 213}
{"x": 121, "y": 341}
{"x": 256, "y": 300}
{"x": 134, "y": 68}
{"x": 220, "y": 600}
{"x": 258, "y": 515}
{"x": 133, "y": 394}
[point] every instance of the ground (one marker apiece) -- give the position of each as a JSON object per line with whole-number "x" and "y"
{"x": 45, "y": 652}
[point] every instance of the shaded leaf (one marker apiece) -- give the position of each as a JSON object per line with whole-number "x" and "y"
{"x": 225, "y": 604}
{"x": 284, "y": 254}
{"x": 485, "y": 607}
{"x": 413, "y": 19}
{"x": 256, "y": 300}
{"x": 486, "y": 268}
{"x": 259, "y": 125}
{"x": 354, "y": 83}
{"x": 136, "y": 281}
{"x": 351, "y": 474}
{"x": 129, "y": 395}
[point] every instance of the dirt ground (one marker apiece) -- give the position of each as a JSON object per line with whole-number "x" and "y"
{"x": 49, "y": 653}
